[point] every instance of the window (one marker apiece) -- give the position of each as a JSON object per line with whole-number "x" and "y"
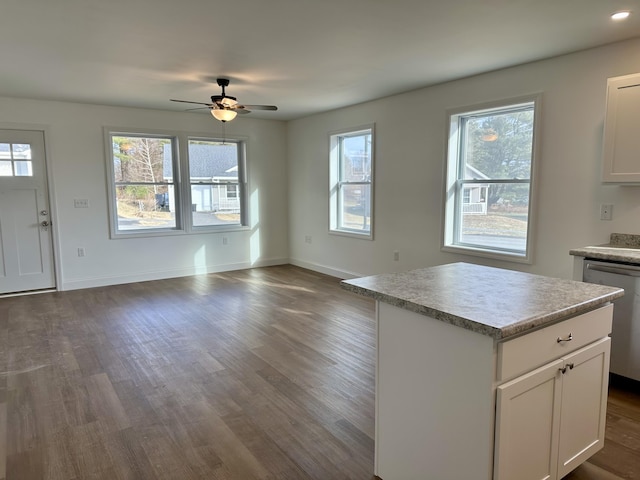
{"x": 489, "y": 180}
{"x": 351, "y": 182}
{"x": 213, "y": 172}
{"x": 15, "y": 160}
{"x": 143, "y": 182}
{"x": 147, "y": 196}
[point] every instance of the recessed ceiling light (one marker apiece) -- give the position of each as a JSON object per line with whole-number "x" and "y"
{"x": 620, "y": 15}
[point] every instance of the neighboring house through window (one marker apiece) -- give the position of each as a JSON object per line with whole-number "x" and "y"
{"x": 351, "y": 182}
{"x": 490, "y": 165}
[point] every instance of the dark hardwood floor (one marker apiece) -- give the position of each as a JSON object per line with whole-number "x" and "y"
{"x": 256, "y": 374}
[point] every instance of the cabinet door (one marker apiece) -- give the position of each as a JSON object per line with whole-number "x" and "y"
{"x": 527, "y": 425}
{"x": 622, "y": 130}
{"x": 584, "y": 404}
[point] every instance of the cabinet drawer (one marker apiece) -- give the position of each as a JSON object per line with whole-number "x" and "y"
{"x": 534, "y": 349}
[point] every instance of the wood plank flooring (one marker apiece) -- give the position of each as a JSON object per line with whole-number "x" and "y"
{"x": 257, "y": 374}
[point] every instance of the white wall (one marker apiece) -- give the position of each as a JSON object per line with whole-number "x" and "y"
{"x": 409, "y": 175}
{"x": 410, "y": 150}
{"x": 76, "y": 162}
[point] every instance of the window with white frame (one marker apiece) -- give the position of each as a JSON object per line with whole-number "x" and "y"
{"x": 215, "y": 180}
{"x": 490, "y": 166}
{"x": 147, "y": 195}
{"x": 143, "y": 185}
{"x": 351, "y": 182}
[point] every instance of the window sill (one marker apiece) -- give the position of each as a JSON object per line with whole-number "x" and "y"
{"x": 170, "y": 233}
{"x": 492, "y": 254}
{"x": 352, "y": 234}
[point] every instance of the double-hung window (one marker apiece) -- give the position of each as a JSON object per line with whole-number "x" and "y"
{"x": 490, "y": 166}
{"x": 170, "y": 184}
{"x": 351, "y": 182}
{"x": 216, "y": 178}
{"x": 143, "y": 182}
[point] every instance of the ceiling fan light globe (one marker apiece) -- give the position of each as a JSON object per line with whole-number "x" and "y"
{"x": 223, "y": 115}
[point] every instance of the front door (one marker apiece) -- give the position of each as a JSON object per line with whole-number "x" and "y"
{"x": 26, "y": 258}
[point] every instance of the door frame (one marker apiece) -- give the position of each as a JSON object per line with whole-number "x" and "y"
{"x": 53, "y": 206}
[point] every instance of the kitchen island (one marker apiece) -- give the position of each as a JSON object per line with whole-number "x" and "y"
{"x": 487, "y": 373}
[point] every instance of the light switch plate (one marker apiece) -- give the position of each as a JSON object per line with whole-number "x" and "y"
{"x": 81, "y": 203}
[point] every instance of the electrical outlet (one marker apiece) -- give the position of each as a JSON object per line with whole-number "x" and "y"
{"x": 308, "y": 239}
{"x": 225, "y": 241}
{"x": 80, "y": 252}
{"x": 396, "y": 255}
{"x": 606, "y": 211}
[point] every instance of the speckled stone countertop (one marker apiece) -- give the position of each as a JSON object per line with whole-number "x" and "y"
{"x": 622, "y": 247}
{"x": 491, "y": 301}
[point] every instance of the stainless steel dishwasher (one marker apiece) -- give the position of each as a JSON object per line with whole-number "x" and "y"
{"x": 625, "y": 335}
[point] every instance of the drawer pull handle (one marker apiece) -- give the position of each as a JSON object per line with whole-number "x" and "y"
{"x": 565, "y": 339}
{"x": 567, "y": 366}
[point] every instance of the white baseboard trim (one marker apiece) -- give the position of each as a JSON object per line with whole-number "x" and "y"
{"x": 91, "y": 282}
{"x": 334, "y": 272}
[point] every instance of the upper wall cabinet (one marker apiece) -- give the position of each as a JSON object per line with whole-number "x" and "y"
{"x": 622, "y": 130}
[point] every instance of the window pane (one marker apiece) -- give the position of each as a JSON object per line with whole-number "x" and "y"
{"x": 5, "y": 168}
{"x": 143, "y": 160}
{"x": 23, "y": 168}
{"x": 495, "y": 216}
{"x": 5, "y": 150}
{"x": 213, "y": 171}
{"x": 21, "y": 151}
{"x": 356, "y": 158}
{"x": 355, "y": 207}
{"x": 498, "y": 145}
{"x": 145, "y": 207}
{"x": 211, "y": 205}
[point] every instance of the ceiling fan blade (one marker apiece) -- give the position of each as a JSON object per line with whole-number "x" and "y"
{"x": 241, "y": 111}
{"x": 187, "y": 101}
{"x": 197, "y": 108}
{"x": 259, "y": 107}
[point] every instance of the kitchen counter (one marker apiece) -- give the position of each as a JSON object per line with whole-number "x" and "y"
{"x": 622, "y": 247}
{"x": 492, "y": 301}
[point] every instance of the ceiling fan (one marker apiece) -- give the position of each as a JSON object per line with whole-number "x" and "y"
{"x": 225, "y": 107}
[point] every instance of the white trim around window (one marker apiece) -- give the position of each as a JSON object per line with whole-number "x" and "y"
{"x": 170, "y": 183}
{"x": 351, "y": 182}
{"x": 490, "y": 179}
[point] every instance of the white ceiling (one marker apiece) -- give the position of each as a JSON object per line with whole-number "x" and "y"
{"x": 306, "y": 56}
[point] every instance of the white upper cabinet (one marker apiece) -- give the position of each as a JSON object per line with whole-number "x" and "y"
{"x": 621, "y": 163}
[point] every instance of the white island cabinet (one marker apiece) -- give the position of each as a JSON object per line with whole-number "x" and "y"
{"x": 485, "y": 373}
{"x": 551, "y": 419}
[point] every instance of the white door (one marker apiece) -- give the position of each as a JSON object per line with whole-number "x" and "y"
{"x": 584, "y": 405}
{"x": 26, "y": 258}
{"x": 527, "y": 426}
